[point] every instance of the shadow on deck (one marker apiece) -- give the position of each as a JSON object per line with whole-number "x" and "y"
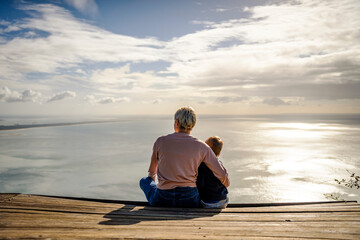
{"x": 135, "y": 215}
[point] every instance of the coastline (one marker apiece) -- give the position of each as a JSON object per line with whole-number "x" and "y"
{"x": 25, "y": 126}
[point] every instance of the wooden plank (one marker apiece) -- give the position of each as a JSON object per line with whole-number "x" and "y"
{"x": 7, "y": 197}
{"x": 28, "y": 216}
{"x": 125, "y": 210}
{"x": 81, "y": 221}
{"x": 131, "y": 219}
{"x": 164, "y": 232}
{"x": 44, "y": 202}
{"x": 220, "y": 217}
{"x": 231, "y": 205}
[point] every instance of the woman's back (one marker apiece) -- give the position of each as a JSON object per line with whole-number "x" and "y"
{"x": 179, "y": 156}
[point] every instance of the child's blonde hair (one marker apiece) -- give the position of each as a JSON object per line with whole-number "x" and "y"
{"x": 215, "y": 143}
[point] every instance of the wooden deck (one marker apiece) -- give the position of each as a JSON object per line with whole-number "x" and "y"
{"x": 31, "y": 216}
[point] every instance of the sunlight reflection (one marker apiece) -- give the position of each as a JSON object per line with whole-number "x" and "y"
{"x": 297, "y": 161}
{"x": 305, "y": 126}
{"x": 283, "y": 188}
{"x": 298, "y": 131}
{"x": 291, "y": 134}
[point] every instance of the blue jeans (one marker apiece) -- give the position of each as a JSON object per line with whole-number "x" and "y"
{"x": 177, "y": 197}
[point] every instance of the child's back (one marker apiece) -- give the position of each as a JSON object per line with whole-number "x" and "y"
{"x": 212, "y": 192}
{"x": 210, "y": 188}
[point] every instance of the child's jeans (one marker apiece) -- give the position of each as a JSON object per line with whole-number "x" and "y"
{"x": 177, "y": 197}
{"x": 215, "y": 204}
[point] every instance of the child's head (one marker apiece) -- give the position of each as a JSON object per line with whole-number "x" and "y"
{"x": 215, "y": 143}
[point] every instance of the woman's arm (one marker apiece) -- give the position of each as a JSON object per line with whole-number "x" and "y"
{"x": 216, "y": 166}
{"x": 153, "y": 165}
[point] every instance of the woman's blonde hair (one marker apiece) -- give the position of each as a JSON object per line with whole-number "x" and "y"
{"x": 186, "y": 117}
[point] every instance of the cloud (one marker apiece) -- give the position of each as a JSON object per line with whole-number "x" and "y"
{"x": 275, "y": 101}
{"x": 112, "y": 75}
{"x": 314, "y": 91}
{"x": 65, "y": 42}
{"x": 230, "y": 99}
{"x": 157, "y": 101}
{"x": 29, "y": 95}
{"x": 87, "y": 7}
{"x": 221, "y": 10}
{"x": 12, "y": 29}
{"x": 283, "y": 50}
{"x": 206, "y": 23}
{"x": 105, "y": 100}
{"x": 30, "y": 34}
{"x": 4, "y": 23}
{"x": 62, "y": 95}
{"x": 121, "y": 80}
{"x": 265, "y": 49}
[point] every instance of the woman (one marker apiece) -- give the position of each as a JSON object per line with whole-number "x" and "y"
{"x": 175, "y": 160}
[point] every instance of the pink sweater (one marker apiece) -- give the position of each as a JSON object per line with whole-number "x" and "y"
{"x": 178, "y": 156}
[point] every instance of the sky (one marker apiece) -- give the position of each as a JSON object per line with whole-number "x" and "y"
{"x": 120, "y": 57}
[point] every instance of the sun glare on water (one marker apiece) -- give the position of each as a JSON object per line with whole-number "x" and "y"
{"x": 298, "y": 161}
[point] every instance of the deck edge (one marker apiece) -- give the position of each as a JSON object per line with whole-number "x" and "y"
{"x": 8, "y": 197}
{"x": 231, "y": 205}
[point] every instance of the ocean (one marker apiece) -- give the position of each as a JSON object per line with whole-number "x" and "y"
{"x": 270, "y": 158}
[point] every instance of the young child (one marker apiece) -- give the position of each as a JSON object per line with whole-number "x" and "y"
{"x": 213, "y": 193}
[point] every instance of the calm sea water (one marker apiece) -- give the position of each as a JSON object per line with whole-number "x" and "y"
{"x": 269, "y": 158}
